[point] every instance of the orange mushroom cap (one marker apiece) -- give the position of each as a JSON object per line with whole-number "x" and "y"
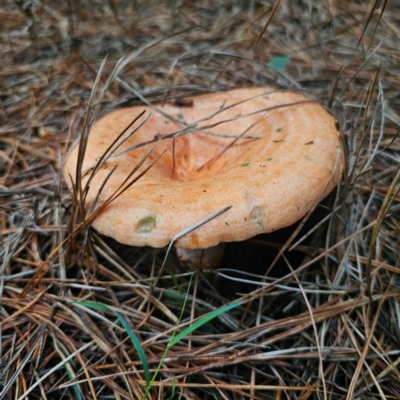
{"x": 267, "y": 153}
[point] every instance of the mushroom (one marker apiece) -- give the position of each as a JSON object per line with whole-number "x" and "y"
{"x": 269, "y": 154}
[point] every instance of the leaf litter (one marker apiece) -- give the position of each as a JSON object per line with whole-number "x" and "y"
{"x": 324, "y": 323}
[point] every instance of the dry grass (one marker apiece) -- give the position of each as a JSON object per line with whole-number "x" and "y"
{"x": 325, "y": 324}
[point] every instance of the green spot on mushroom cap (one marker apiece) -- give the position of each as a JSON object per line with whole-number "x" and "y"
{"x": 257, "y": 215}
{"x": 246, "y": 164}
{"x": 278, "y": 129}
{"x": 146, "y": 225}
{"x": 166, "y": 121}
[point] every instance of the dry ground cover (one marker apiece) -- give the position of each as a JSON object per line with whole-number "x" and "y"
{"x": 323, "y": 324}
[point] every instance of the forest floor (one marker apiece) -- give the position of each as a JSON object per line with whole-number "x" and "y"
{"x": 85, "y": 317}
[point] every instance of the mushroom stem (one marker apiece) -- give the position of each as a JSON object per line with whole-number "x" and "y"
{"x": 202, "y": 258}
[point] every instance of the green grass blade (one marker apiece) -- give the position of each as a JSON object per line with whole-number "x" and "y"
{"x": 173, "y": 277}
{"x": 173, "y": 387}
{"x": 169, "y": 344}
{"x": 132, "y": 336}
{"x": 74, "y": 387}
{"x": 202, "y": 321}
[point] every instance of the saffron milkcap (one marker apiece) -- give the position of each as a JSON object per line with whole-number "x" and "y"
{"x": 269, "y": 154}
